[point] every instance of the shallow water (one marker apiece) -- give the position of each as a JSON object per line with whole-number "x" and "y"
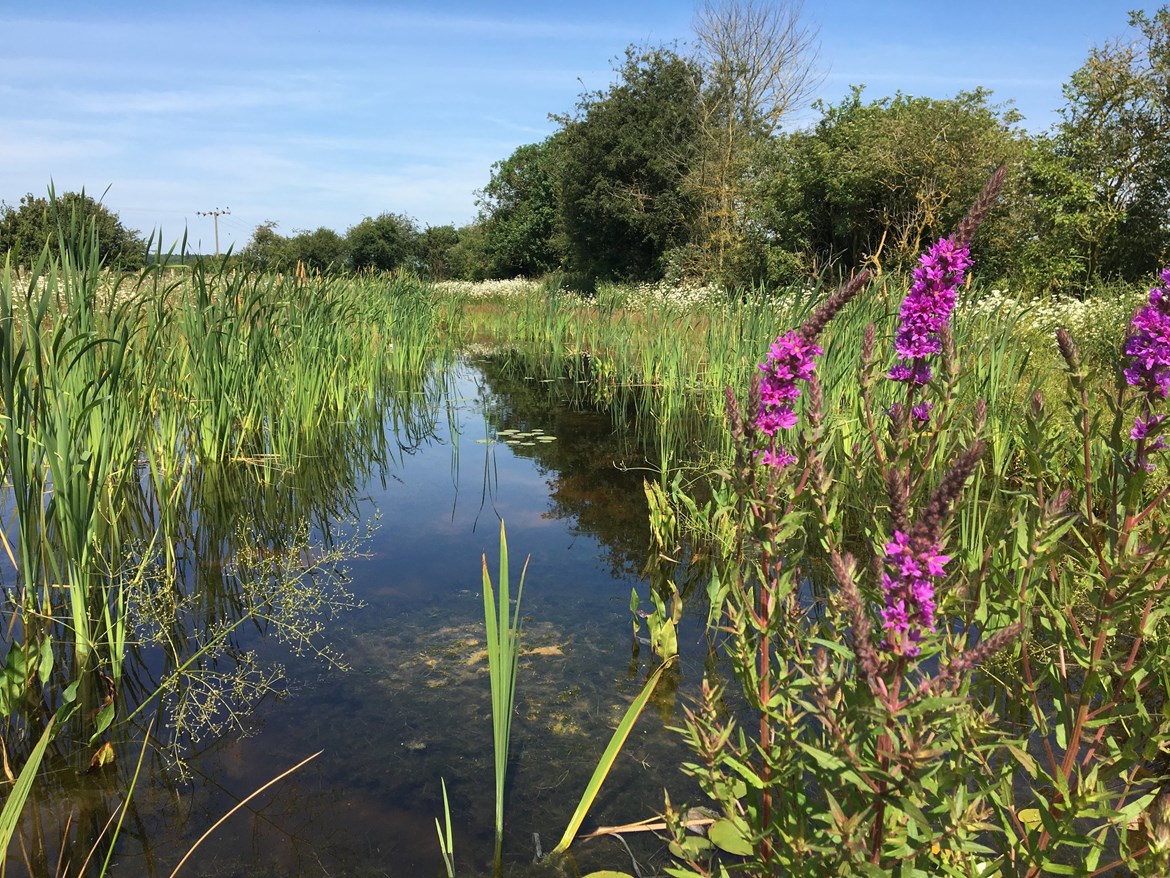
{"x": 414, "y": 704}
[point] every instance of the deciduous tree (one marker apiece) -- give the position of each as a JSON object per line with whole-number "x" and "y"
{"x": 383, "y": 243}
{"x": 521, "y": 213}
{"x": 624, "y": 158}
{"x": 36, "y": 222}
{"x": 1104, "y": 185}
{"x": 758, "y": 60}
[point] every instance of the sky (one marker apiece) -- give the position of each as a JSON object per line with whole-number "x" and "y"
{"x": 313, "y": 114}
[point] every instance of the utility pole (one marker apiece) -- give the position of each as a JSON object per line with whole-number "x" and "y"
{"x": 216, "y": 214}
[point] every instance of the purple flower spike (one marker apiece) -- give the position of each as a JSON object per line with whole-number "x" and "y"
{"x": 927, "y": 308}
{"x": 790, "y": 359}
{"x": 909, "y": 589}
{"x": 1148, "y": 348}
{"x": 1148, "y": 353}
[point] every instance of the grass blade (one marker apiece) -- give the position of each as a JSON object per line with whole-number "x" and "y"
{"x": 14, "y": 804}
{"x": 608, "y": 758}
{"x": 446, "y": 840}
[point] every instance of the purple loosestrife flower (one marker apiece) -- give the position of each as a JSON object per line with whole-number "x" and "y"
{"x": 927, "y": 309}
{"x": 790, "y": 359}
{"x": 908, "y": 583}
{"x": 1148, "y": 350}
{"x": 921, "y": 412}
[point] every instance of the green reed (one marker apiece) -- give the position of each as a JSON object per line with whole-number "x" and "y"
{"x": 503, "y": 648}
{"x": 136, "y": 413}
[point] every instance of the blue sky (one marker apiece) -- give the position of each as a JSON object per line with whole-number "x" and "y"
{"x": 312, "y": 114}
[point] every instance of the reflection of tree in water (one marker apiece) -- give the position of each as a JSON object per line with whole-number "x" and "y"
{"x": 594, "y": 472}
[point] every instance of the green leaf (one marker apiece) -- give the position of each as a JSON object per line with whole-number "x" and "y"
{"x": 1030, "y": 817}
{"x": 823, "y": 759}
{"x": 691, "y": 846}
{"x": 729, "y": 837}
{"x": 608, "y": 758}
{"x": 45, "y": 662}
{"x": 13, "y": 805}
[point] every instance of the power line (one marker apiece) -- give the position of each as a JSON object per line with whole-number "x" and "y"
{"x": 216, "y": 214}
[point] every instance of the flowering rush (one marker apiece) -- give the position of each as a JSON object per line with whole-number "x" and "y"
{"x": 927, "y": 309}
{"x": 913, "y": 564}
{"x": 790, "y": 359}
{"x": 1148, "y": 350}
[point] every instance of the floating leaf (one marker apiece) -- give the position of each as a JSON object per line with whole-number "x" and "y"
{"x": 729, "y": 837}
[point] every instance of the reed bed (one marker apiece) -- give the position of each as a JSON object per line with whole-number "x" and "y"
{"x": 174, "y": 457}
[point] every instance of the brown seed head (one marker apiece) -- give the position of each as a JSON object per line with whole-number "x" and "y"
{"x": 980, "y": 208}
{"x": 1037, "y": 403}
{"x": 1068, "y": 349}
{"x": 828, "y": 309}
{"x": 938, "y": 509}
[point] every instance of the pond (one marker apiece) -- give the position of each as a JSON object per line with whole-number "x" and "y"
{"x": 393, "y": 689}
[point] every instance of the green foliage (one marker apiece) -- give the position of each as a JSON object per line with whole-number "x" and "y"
{"x": 436, "y": 246}
{"x": 318, "y": 252}
{"x": 267, "y": 250}
{"x": 874, "y": 183}
{"x": 520, "y": 210}
{"x": 855, "y": 757}
{"x": 1103, "y": 190}
{"x": 321, "y": 251}
{"x": 383, "y": 243}
{"x": 35, "y": 223}
{"x": 502, "y": 624}
{"x": 624, "y": 159}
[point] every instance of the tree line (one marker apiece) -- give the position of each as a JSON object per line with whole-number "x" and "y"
{"x": 681, "y": 169}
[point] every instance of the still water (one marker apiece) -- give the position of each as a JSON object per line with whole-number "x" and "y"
{"x": 401, "y": 698}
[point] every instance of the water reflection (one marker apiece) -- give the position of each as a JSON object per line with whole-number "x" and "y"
{"x": 282, "y": 623}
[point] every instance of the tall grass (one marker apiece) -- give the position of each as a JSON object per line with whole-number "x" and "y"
{"x": 142, "y": 419}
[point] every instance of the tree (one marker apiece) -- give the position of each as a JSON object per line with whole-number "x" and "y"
{"x": 383, "y": 243}
{"x": 758, "y": 61}
{"x": 878, "y": 182}
{"x": 435, "y": 246}
{"x": 1102, "y": 185}
{"x": 521, "y": 213}
{"x": 26, "y": 229}
{"x": 468, "y": 257}
{"x": 321, "y": 250}
{"x": 624, "y": 158}
{"x": 268, "y": 250}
